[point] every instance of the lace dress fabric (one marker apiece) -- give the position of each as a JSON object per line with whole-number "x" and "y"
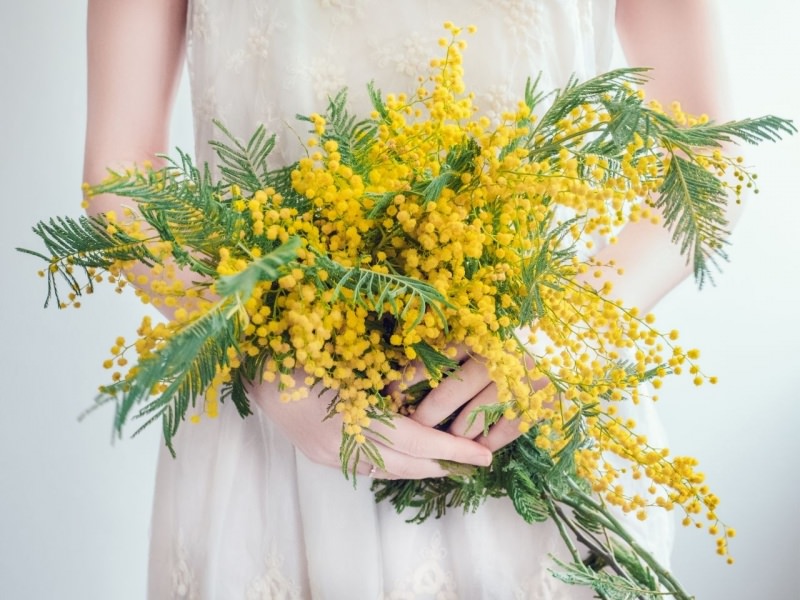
{"x": 240, "y": 513}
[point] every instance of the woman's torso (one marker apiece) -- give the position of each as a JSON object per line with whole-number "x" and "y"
{"x": 264, "y": 61}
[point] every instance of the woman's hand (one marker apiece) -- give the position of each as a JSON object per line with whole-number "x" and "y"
{"x": 412, "y": 451}
{"x": 464, "y": 391}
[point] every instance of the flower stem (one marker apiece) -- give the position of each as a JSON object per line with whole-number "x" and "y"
{"x": 585, "y": 504}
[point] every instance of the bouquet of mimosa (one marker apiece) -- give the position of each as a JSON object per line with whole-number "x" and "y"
{"x": 405, "y": 235}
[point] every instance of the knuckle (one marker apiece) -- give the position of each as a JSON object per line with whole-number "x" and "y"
{"x": 424, "y": 415}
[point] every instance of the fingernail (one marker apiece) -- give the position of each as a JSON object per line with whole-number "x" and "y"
{"x": 484, "y": 459}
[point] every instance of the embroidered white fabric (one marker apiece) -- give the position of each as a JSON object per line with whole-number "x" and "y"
{"x": 240, "y": 513}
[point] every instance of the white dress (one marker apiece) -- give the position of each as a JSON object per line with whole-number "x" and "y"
{"x": 240, "y": 514}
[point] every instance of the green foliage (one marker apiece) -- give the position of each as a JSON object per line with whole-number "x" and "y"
{"x": 184, "y": 206}
{"x": 525, "y": 494}
{"x": 245, "y": 165}
{"x": 637, "y": 570}
{"x": 248, "y": 166}
{"x": 491, "y": 414}
{"x": 376, "y": 98}
{"x": 693, "y": 202}
{"x": 540, "y": 488}
{"x": 460, "y": 159}
{"x": 576, "y": 94}
{"x": 379, "y": 292}
{"x": 521, "y": 469}
{"x": 692, "y": 199}
{"x": 607, "y": 586}
{"x": 436, "y": 364}
{"x": 547, "y": 267}
{"x": 353, "y": 136}
{"x": 382, "y": 202}
{"x": 351, "y": 452}
{"x": 185, "y": 365}
{"x": 237, "y": 390}
{"x": 576, "y": 434}
{"x": 749, "y": 131}
{"x": 266, "y": 268}
{"x": 84, "y": 243}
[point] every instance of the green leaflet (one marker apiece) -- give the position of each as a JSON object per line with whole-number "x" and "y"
{"x": 381, "y": 291}
{"x": 693, "y": 202}
{"x": 84, "y": 243}
{"x": 267, "y": 268}
{"x": 691, "y": 198}
{"x": 353, "y": 136}
{"x": 186, "y": 364}
{"x": 436, "y": 364}
{"x": 245, "y": 165}
{"x": 610, "y": 587}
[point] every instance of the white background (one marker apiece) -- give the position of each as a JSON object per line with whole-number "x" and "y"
{"x": 74, "y": 509}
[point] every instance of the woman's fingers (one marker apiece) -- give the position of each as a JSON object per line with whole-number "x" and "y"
{"x": 397, "y": 465}
{"x": 469, "y": 425}
{"x": 409, "y": 450}
{"x": 415, "y": 440}
{"x": 500, "y": 434}
{"x": 417, "y": 371}
{"x": 452, "y": 393}
{"x": 503, "y": 432}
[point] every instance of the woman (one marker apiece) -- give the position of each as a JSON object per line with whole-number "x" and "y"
{"x": 250, "y": 508}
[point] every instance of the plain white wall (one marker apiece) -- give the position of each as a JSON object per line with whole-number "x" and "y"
{"x": 74, "y": 509}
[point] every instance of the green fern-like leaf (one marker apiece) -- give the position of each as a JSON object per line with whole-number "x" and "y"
{"x": 597, "y": 90}
{"x": 524, "y": 494}
{"x": 491, "y": 414}
{"x": 86, "y": 241}
{"x": 352, "y": 453}
{"x": 382, "y": 202}
{"x": 376, "y": 291}
{"x": 693, "y": 199}
{"x": 710, "y": 134}
{"x": 608, "y": 586}
{"x": 576, "y": 438}
{"x": 189, "y": 211}
{"x": 186, "y": 365}
{"x": 376, "y": 98}
{"x": 460, "y": 160}
{"x": 245, "y": 165}
{"x": 83, "y": 243}
{"x": 436, "y": 364}
{"x": 183, "y": 205}
{"x": 693, "y": 202}
{"x": 634, "y": 567}
{"x": 576, "y": 93}
{"x": 546, "y": 267}
{"x": 267, "y": 268}
{"x": 237, "y": 392}
{"x": 353, "y": 136}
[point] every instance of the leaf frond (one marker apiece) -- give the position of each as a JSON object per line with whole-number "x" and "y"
{"x": 266, "y": 268}
{"x": 381, "y": 292}
{"x": 245, "y": 164}
{"x": 175, "y": 376}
